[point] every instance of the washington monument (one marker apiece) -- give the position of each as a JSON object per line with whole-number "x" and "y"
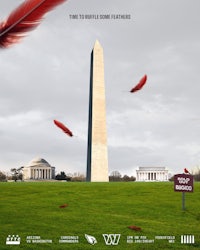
{"x": 97, "y": 154}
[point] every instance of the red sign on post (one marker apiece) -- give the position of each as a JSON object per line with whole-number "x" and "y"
{"x": 183, "y": 183}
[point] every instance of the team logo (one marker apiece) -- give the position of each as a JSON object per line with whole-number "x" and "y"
{"x": 91, "y": 239}
{"x": 111, "y": 239}
{"x": 13, "y": 240}
{"x": 187, "y": 239}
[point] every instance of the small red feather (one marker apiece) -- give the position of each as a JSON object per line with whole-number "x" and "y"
{"x": 63, "y": 206}
{"x": 135, "y": 228}
{"x": 140, "y": 84}
{"x": 63, "y": 127}
{"x": 186, "y": 171}
{"x": 26, "y": 17}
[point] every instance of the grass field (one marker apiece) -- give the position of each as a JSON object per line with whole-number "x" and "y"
{"x": 32, "y": 209}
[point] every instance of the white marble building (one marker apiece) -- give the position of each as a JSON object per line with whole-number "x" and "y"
{"x": 152, "y": 174}
{"x": 38, "y": 169}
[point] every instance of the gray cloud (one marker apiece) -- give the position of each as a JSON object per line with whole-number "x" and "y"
{"x": 46, "y": 77}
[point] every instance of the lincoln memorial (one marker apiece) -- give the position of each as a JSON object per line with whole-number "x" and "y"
{"x": 38, "y": 169}
{"x": 152, "y": 174}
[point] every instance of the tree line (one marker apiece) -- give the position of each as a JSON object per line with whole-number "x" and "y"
{"x": 17, "y": 175}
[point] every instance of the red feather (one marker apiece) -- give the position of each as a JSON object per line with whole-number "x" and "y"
{"x": 186, "y": 171}
{"x": 135, "y": 228}
{"x": 140, "y": 84}
{"x": 63, "y": 206}
{"x": 63, "y": 127}
{"x": 24, "y": 18}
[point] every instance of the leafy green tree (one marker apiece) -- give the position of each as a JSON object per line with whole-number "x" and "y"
{"x": 17, "y": 173}
{"x": 62, "y": 176}
{"x": 128, "y": 178}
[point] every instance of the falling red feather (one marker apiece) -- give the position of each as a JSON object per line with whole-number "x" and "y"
{"x": 24, "y": 18}
{"x": 140, "y": 84}
{"x": 63, "y": 127}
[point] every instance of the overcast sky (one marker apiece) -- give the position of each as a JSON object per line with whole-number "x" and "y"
{"x": 46, "y": 77}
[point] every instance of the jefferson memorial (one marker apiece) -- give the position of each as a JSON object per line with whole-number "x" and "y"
{"x": 152, "y": 174}
{"x": 38, "y": 169}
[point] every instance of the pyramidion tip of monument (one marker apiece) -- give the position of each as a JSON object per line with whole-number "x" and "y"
{"x": 97, "y": 43}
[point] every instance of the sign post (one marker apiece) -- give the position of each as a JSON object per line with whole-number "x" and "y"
{"x": 183, "y": 200}
{"x": 183, "y": 183}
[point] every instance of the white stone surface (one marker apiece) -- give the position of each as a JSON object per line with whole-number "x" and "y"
{"x": 152, "y": 174}
{"x": 99, "y": 152}
{"x": 38, "y": 169}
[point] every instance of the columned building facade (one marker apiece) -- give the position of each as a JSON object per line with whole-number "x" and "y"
{"x": 152, "y": 174}
{"x": 38, "y": 169}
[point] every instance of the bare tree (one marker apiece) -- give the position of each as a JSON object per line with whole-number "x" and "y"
{"x": 2, "y": 176}
{"x": 196, "y": 173}
{"x": 78, "y": 177}
{"x": 115, "y": 176}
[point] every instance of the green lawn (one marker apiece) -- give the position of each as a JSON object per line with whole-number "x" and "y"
{"x": 32, "y": 209}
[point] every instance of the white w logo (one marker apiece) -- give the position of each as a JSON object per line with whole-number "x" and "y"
{"x": 111, "y": 239}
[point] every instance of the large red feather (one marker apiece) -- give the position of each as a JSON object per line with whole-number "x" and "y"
{"x": 24, "y": 18}
{"x": 63, "y": 127}
{"x": 140, "y": 84}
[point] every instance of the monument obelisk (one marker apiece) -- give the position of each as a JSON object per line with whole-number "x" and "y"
{"x": 97, "y": 153}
